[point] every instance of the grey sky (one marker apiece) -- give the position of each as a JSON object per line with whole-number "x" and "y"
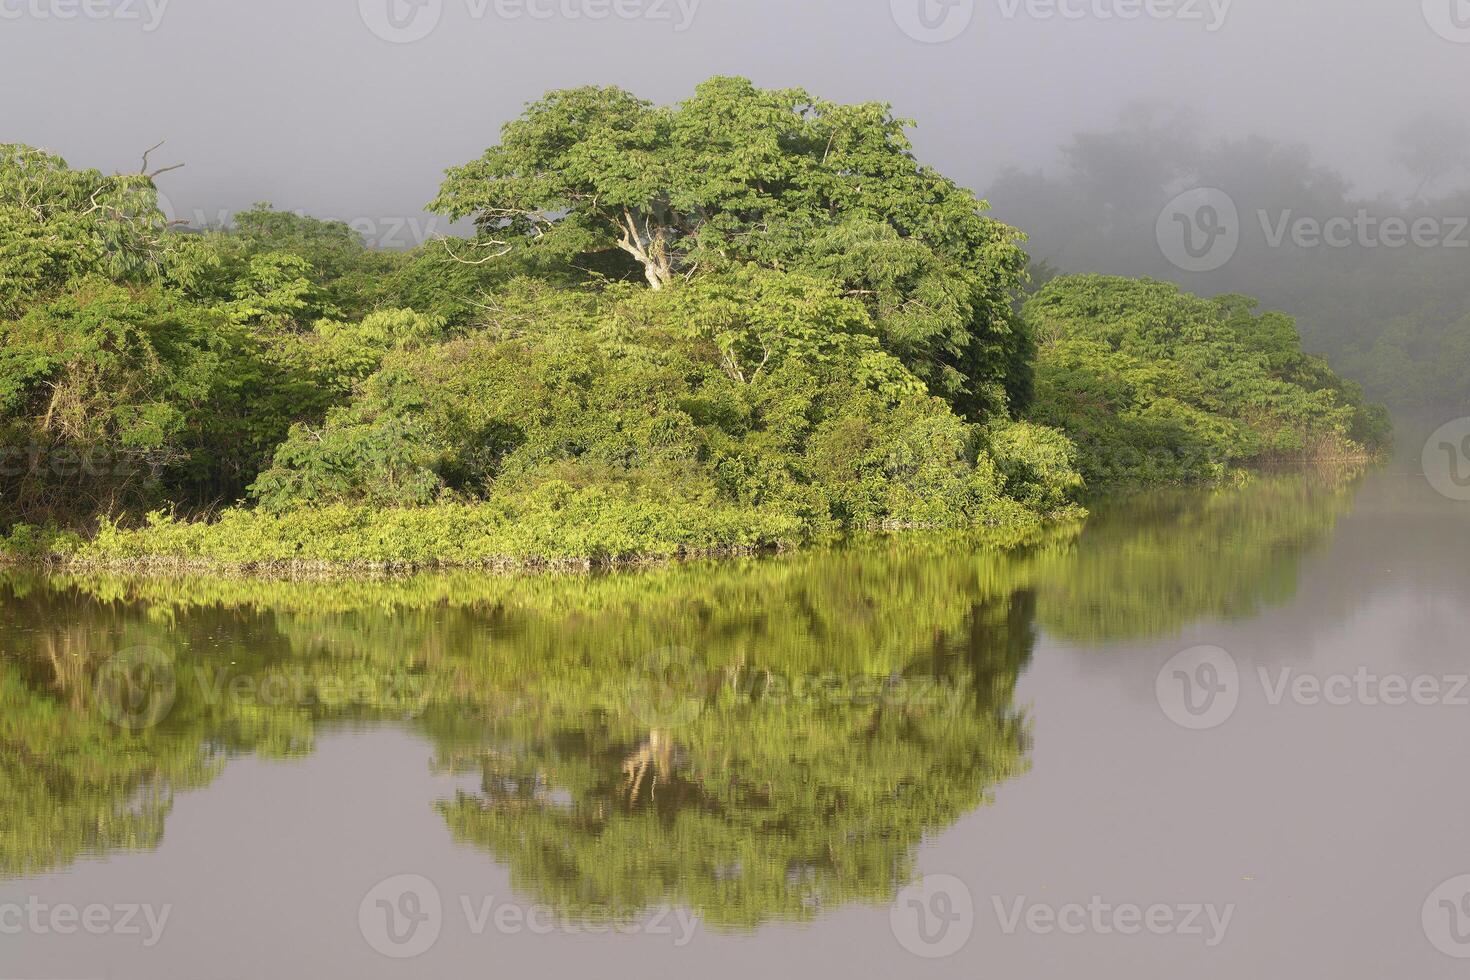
{"x": 298, "y": 102}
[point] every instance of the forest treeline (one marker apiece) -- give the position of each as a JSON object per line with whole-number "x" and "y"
{"x": 738, "y": 322}
{"x": 1378, "y": 282}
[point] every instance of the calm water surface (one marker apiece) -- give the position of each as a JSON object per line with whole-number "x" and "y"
{"x": 1207, "y": 735}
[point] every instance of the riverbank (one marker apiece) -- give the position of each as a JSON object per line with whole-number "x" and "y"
{"x": 579, "y": 532}
{"x": 576, "y": 531}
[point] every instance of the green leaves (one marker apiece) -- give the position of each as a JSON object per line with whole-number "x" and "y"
{"x": 738, "y": 175}
{"x": 755, "y": 389}
{"x": 1157, "y": 385}
{"x": 57, "y": 224}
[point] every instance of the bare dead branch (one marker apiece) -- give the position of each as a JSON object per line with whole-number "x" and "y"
{"x": 505, "y": 249}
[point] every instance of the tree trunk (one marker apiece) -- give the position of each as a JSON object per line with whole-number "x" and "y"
{"x": 655, "y": 277}
{"x": 649, "y": 245}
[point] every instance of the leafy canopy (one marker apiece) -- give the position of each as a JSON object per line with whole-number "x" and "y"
{"x": 778, "y": 178}
{"x": 57, "y": 224}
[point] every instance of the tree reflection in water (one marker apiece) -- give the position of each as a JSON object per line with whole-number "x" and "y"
{"x": 754, "y": 740}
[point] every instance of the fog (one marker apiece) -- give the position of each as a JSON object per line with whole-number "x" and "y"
{"x": 304, "y": 105}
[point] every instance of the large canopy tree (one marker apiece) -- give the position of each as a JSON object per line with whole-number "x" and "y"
{"x": 739, "y": 175}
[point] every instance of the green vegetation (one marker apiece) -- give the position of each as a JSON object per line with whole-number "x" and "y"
{"x": 743, "y": 322}
{"x": 739, "y": 176}
{"x": 555, "y": 524}
{"x": 1158, "y": 386}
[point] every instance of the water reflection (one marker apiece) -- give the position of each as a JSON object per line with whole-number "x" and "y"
{"x": 752, "y": 740}
{"x": 1149, "y": 566}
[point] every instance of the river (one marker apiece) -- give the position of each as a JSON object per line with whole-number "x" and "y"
{"x": 1207, "y": 734}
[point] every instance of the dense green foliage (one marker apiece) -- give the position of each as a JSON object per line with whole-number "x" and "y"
{"x": 554, "y": 524}
{"x": 1156, "y": 385}
{"x": 776, "y": 178}
{"x": 176, "y": 380}
{"x": 744, "y": 321}
{"x": 59, "y": 224}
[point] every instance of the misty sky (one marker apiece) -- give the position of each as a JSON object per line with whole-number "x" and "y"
{"x": 299, "y": 102}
